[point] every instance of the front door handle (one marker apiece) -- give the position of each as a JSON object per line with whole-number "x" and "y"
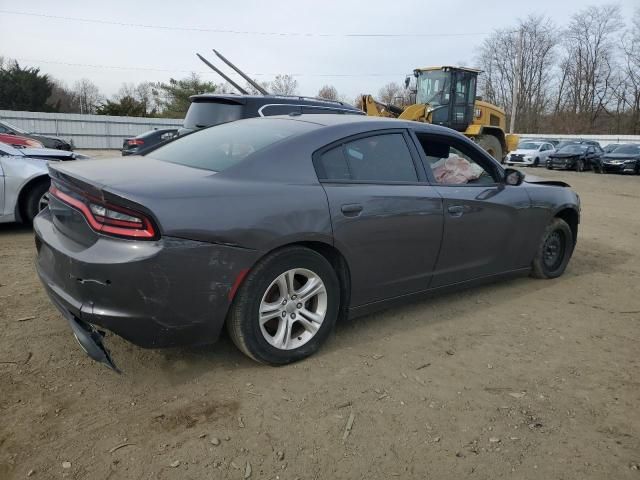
{"x": 351, "y": 209}
{"x": 456, "y": 210}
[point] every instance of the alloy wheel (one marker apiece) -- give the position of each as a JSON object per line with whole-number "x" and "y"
{"x": 293, "y": 308}
{"x": 43, "y": 202}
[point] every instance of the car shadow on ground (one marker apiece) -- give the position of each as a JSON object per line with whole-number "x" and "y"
{"x": 13, "y": 228}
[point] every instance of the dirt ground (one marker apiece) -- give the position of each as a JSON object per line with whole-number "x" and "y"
{"x": 520, "y": 379}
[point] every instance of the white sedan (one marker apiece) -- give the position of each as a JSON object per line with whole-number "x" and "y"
{"x": 530, "y": 154}
{"x": 24, "y": 180}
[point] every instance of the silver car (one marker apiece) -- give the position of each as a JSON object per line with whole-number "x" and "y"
{"x": 530, "y": 153}
{"x": 24, "y": 180}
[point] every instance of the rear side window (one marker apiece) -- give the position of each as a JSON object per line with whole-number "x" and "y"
{"x": 378, "y": 158}
{"x": 220, "y": 147}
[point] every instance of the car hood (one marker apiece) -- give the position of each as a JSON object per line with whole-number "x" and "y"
{"x": 543, "y": 181}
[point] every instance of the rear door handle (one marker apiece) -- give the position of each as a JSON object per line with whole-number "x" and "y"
{"x": 456, "y": 210}
{"x": 351, "y": 209}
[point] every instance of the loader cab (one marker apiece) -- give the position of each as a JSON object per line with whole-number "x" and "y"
{"x": 450, "y": 93}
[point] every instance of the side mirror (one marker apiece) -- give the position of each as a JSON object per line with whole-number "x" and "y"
{"x": 513, "y": 177}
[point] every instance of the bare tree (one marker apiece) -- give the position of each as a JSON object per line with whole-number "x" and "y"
{"x": 589, "y": 64}
{"x": 284, "y": 85}
{"x": 631, "y": 72}
{"x": 88, "y": 95}
{"x": 328, "y": 92}
{"x": 62, "y": 99}
{"x": 391, "y": 93}
{"x": 143, "y": 93}
{"x": 498, "y": 58}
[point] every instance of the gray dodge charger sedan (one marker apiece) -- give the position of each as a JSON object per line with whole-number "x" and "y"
{"x": 276, "y": 227}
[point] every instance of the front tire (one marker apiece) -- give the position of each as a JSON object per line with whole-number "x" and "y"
{"x": 491, "y": 145}
{"x": 286, "y": 307}
{"x": 536, "y": 162}
{"x": 554, "y": 251}
{"x": 579, "y": 165}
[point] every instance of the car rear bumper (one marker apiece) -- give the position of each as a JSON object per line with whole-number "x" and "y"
{"x": 154, "y": 294}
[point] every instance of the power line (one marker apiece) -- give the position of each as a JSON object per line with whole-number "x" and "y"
{"x": 173, "y": 70}
{"x": 244, "y": 32}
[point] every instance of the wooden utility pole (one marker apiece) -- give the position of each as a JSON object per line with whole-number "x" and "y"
{"x": 516, "y": 81}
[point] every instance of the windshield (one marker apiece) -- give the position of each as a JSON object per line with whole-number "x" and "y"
{"x": 433, "y": 87}
{"x": 13, "y": 127}
{"x": 223, "y": 146}
{"x": 528, "y": 146}
{"x": 205, "y": 114}
{"x": 573, "y": 149}
{"x": 628, "y": 149}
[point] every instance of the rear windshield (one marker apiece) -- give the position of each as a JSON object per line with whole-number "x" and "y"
{"x": 205, "y": 114}
{"x": 220, "y": 147}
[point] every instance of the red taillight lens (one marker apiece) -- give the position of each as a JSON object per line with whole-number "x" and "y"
{"x": 109, "y": 219}
{"x": 135, "y": 141}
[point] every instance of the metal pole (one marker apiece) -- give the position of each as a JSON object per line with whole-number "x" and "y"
{"x": 516, "y": 82}
{"x": 219, "y": 72}
{"x": 241, "y": 73}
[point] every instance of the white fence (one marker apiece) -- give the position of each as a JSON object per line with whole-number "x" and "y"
{"x": 86, "y": 131}
{"x": 602, "y": 139}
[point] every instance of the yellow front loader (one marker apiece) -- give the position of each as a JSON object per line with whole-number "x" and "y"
{"x": 447, "y": 96}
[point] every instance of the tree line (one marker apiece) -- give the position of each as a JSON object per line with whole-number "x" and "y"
{"x": 26, "y": 88}
{"x": 583, "y": 77}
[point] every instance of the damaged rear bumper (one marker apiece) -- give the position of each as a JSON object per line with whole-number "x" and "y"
{"x": 166, "y": 293}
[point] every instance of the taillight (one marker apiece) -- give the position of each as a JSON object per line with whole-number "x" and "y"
{"x": 108, "y": 219}
{"x": 135, "y": 141}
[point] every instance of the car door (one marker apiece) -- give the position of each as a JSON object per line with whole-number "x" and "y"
{"x": 386, "y": 219}
{"x": 484, "y": 218}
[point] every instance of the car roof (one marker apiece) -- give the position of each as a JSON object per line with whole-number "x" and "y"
{"x": 244, "y": 99}
{"x": 364, "y": 120}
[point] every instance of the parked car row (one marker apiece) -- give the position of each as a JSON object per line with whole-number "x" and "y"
{"x": 578, "y": 155}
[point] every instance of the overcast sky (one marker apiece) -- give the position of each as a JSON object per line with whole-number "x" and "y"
{"x": 325, "y": 54}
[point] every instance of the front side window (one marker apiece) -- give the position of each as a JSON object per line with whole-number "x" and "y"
{"x": 453, "y": 164}
{"x": 378, "y": 158}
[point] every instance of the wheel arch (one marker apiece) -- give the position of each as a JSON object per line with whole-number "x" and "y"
{"x": 572, "y": 217}
{"x": 24, "y": 192}
{"x": 333, "y": 255}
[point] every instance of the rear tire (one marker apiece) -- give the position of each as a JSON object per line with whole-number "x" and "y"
{"x": 554, "y": 251}
{"x": 258, "y": 338}
{"x": 491, "y": 145}
{"x": 33, "y": 202}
